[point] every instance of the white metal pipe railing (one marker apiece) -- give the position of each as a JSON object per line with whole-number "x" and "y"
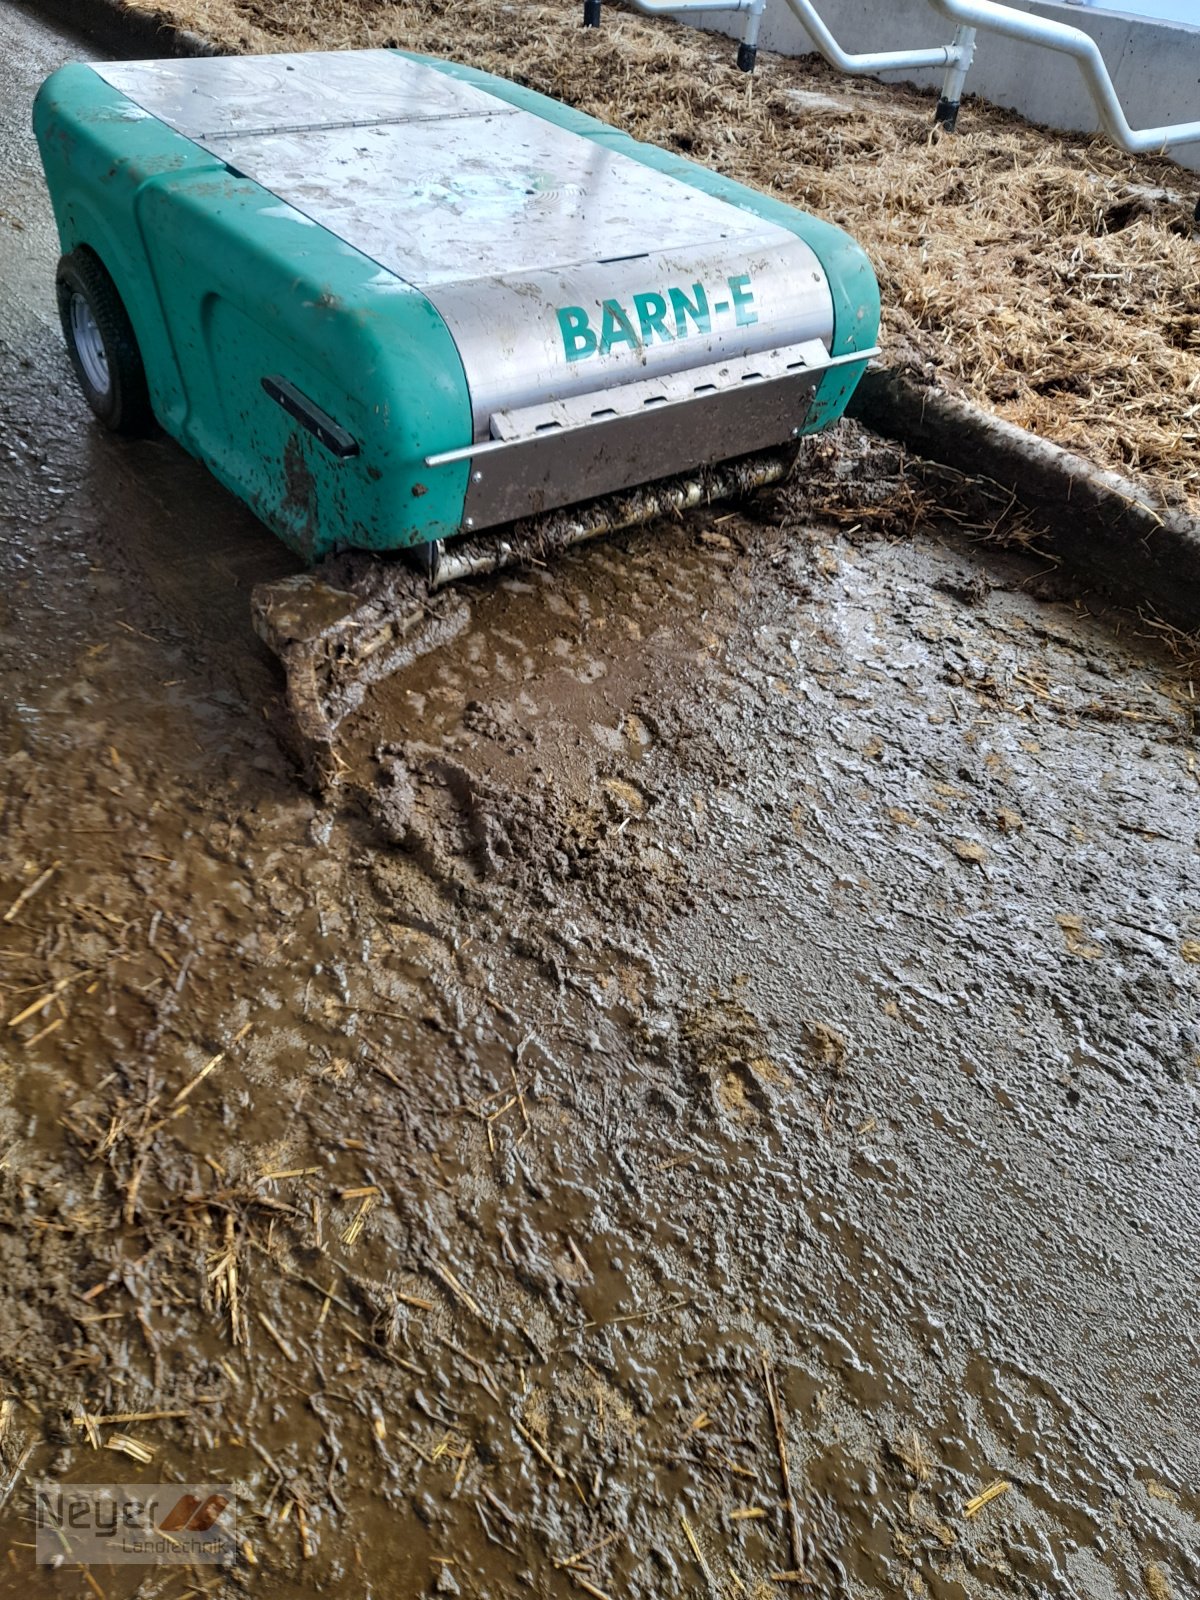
{"x": 671, "y": 8}
{"x": 992, "y": 17}
{"x": 1069, "y": 41}
{"x": 753, "y": 10}
{"x": 968, "y": 15}
{"x": 878, "y": 61}
{"x": 956, "y": 57}
{"x": 945, "y": 55}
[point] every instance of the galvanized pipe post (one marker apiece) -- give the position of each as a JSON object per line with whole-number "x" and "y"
{"x": 963, "y": 45}
{"x": 1066, "y": 40}
{"x": 748, "y": 49}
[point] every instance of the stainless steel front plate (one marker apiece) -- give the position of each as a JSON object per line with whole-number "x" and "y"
{"x": 557, "y": 468}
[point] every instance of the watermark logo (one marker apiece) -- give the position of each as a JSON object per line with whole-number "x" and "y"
{"x": 134, "y": 1524}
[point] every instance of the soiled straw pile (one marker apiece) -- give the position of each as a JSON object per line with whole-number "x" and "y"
{"x": 1048, "y": 276}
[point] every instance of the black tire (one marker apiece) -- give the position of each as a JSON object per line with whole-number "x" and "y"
{"x": 102, "y": 345}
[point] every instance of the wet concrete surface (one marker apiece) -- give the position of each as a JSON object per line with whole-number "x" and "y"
{"x": 744, "y": 991}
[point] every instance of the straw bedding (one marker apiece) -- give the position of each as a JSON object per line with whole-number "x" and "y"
{"x": 1048, "y": 276}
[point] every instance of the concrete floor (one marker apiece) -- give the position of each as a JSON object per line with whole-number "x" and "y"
{"x": 755, "y": 940}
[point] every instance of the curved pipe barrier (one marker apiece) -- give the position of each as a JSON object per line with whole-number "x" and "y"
{"x": 969, "y": 16}
{"x": 1069, "y": 41}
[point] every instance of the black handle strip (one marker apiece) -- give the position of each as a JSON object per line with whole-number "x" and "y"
{"x": 319, "y": 423}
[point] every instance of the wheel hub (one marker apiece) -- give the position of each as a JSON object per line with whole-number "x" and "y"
{"x": 90, "y": 345}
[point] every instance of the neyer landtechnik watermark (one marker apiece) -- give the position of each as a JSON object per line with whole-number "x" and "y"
{"x": 134, "y": 1524}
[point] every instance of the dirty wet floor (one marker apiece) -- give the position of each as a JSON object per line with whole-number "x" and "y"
{"x": 740, "y": 1010}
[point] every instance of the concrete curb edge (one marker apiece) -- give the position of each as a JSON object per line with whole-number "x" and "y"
{"x": 123, "y": 28}
{"x": 1107, "y": 528}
